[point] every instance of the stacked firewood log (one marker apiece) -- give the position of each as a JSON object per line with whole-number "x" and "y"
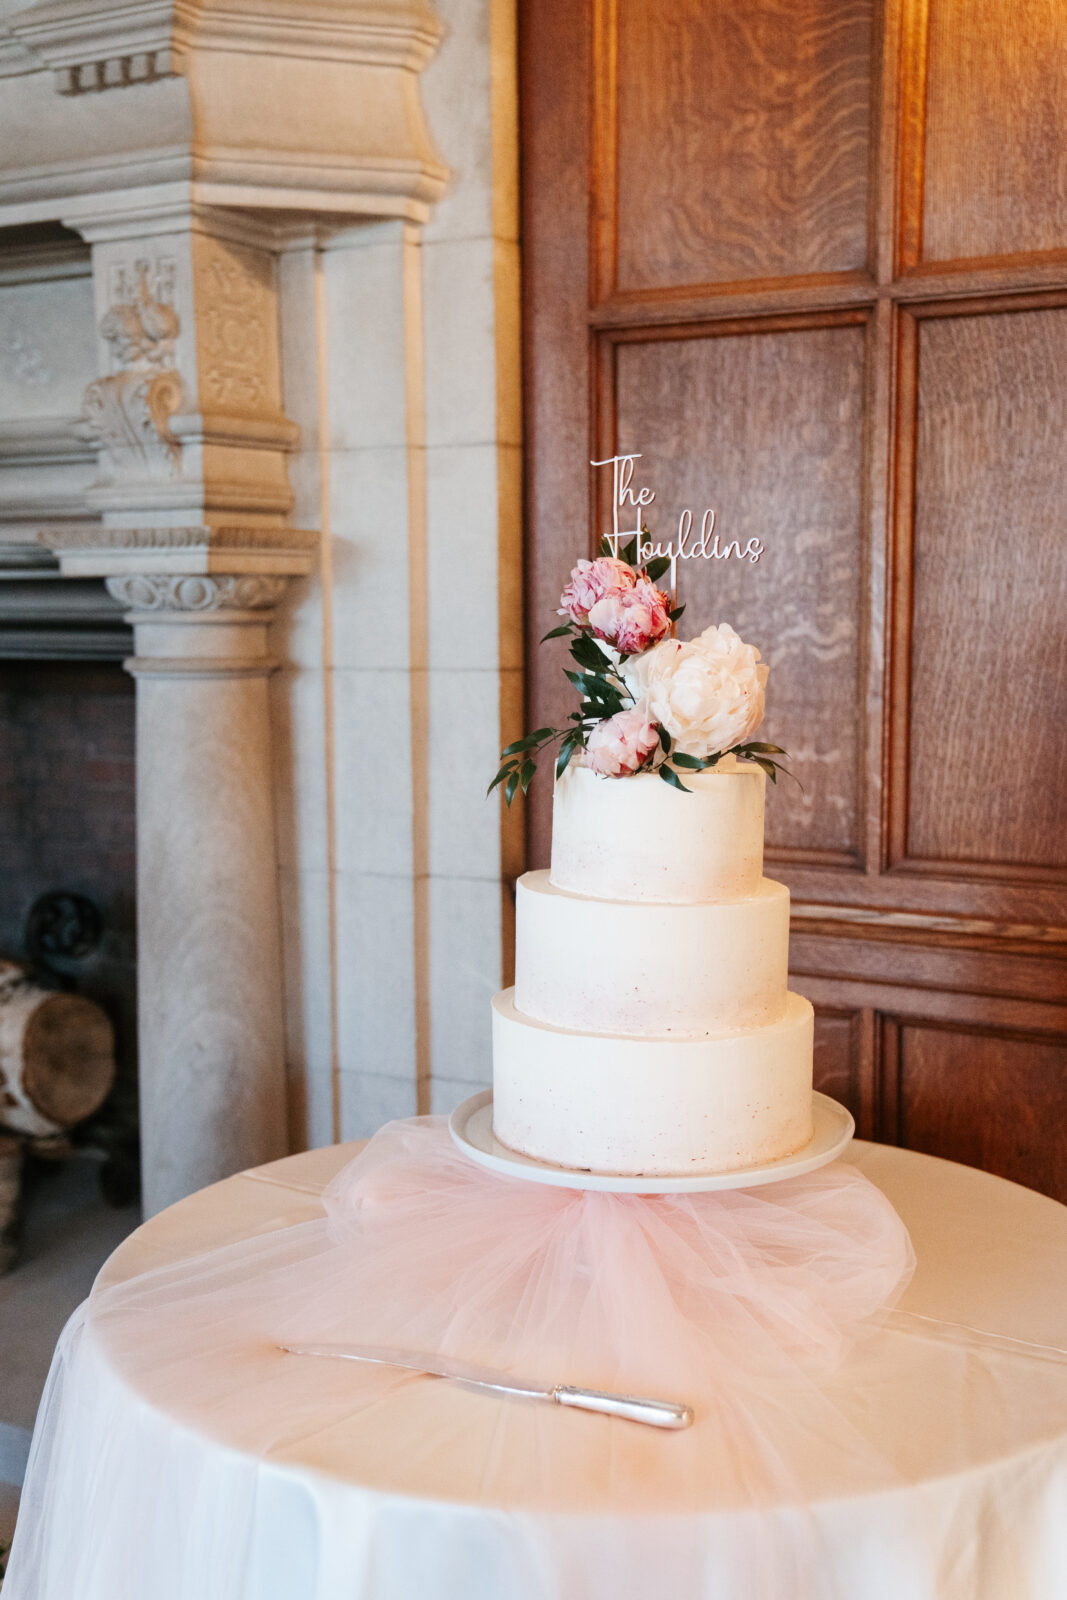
{"x": 57, "y": 1063}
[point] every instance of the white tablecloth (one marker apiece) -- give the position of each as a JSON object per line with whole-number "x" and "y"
{"x": 964, "y": 1392}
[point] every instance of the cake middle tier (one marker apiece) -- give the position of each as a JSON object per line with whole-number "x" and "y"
{"x": 613, "y": 1104}
{"x": 650, "y": 970}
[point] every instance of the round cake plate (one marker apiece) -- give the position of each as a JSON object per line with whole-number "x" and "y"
{"x": 471, "y": 1126}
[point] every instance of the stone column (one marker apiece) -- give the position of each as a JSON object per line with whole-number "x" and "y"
{"x": 212, "y": 1059}
{"x": 210, "y": 997}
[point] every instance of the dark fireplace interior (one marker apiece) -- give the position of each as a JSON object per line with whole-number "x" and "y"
{"x": 67, "y": 827}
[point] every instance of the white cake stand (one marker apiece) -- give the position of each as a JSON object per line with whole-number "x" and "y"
{"x": 471, "y": 1126}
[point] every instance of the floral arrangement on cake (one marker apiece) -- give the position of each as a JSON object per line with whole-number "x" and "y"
{"x": 649, "y": 702}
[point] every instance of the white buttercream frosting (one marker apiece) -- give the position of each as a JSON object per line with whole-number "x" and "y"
{"x": 623, "y": 1105}
{"x": 638, "y": 838}
{"x": 639, "y": 968}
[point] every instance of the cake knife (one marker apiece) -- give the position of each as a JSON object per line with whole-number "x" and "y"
{"x": 657, "y": 1413}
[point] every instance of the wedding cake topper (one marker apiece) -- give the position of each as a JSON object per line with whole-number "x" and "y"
{"x": 705, "y": 546}
{"x": 649, "y": 702}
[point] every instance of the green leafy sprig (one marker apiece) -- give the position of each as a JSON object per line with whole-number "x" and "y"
{"x": 761, "y": 754}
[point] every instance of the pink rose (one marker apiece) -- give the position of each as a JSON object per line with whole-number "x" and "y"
{"x": 622, "y": 744}
{"x": 632, "y": 619}
{"x": 590, "y": 582}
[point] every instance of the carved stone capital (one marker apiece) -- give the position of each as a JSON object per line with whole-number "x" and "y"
{"x": 157, "y": 592}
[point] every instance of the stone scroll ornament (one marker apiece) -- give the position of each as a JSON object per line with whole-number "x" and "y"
{"x": 129, "y": 412}
{"x": 649, "y": 702}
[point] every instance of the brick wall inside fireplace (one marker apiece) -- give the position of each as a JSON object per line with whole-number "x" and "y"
{"x": 67, "y": 822}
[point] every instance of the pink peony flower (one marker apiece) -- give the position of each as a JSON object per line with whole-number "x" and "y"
{"x": 622, "y": 744}
{"x": 590, "y": 582}
{"x": 632, "y": 619}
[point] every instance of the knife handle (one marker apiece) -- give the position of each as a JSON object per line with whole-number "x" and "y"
{"x": 657, "y": 1413}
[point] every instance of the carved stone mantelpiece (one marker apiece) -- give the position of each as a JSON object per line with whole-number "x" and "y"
{"x": 340, "y": 131}
{"x": 212, "y": 154}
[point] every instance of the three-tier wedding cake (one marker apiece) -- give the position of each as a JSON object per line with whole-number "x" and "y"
{"x": 650, "y": 1029}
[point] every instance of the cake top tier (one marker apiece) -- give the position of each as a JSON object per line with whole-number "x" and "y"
{"x": 643, "y": 840}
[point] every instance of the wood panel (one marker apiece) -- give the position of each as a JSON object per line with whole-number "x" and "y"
{"x": 991, "y": 1098}
{"x": 769, "y": 430}
{"x": 838, "y": 1051}
{"x": 987, "y": 701}
{"x": 995, "y": 172}
{"x": 759, "y": 167}
{"x": 555, "y": 61}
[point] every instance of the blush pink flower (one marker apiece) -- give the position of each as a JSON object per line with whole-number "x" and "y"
{"x": 590, "y": 582}
{"x": 621, "y": 745}
{"x": 632, "y": 619}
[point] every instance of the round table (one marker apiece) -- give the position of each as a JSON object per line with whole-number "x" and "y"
{"x": 965, "y": 1389}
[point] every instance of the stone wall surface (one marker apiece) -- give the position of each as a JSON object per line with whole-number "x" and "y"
{"x": 400, "y": 351}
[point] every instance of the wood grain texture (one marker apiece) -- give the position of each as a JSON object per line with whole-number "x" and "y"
{"x": 555, "y": 63}
{"x": 995, "y": 179}
{"x": 767, "y": 429}
{"x": 837, "y": 1052}
{"x": 996, "y": 1100}
{"x": 988, "y": 669}
{"x": 741, "y": 138}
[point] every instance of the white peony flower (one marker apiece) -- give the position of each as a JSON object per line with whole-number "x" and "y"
{"x": 707, "y": 692}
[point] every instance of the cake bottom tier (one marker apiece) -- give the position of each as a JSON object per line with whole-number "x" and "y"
{"x": 605, "y": 1103}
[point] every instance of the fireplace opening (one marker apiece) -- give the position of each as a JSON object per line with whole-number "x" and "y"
{"x": 68, "y": 885}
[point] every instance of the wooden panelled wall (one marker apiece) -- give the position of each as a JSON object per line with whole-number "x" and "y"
{"x": 810, "y": 258}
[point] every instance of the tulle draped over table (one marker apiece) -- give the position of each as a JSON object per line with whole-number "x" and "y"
{"x": 181, "y": 1453}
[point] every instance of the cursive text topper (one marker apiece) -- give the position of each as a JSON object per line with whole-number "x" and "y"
{"x": 684, "y": 547}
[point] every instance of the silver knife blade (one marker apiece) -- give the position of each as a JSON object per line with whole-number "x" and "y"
{"x": 414, "y": 1361}
{"x": 635, "y": 1408}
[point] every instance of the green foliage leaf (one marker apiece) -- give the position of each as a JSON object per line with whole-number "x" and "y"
{"x": 603, "y": 696}
{"x": 530, "y": 742}
{"x": 760, "y": 749}
{"x": 526, "y": 773}
{"x": 628, "y": 551}
{"x": 768, "y": 767}
{"x": 670, "y": 776}
{"x": 588, "y": 653}
{"x": 672, "y": 616}
{"x": 566, "y": 751}
{"x": 656, "y": 568}
{"x": 665, "y": 740}
{"x": 557, "y": 633}
{"x": 510, "y": 787}
{"x": 693, "y": 763}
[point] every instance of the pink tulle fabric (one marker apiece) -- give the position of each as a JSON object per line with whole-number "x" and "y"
{"x": 739, "y": 1302}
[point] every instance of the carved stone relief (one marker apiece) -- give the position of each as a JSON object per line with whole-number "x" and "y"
{"x": 236, "y": 315}
{"x": 151, "y": 592}
{"x": 128, "y": 413}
